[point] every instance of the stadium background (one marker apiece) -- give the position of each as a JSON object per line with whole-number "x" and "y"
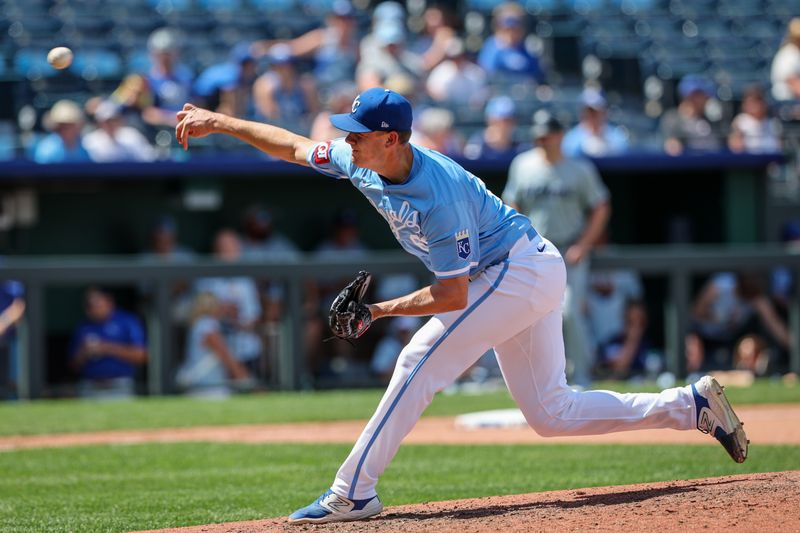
{"x": 636, "y": 50}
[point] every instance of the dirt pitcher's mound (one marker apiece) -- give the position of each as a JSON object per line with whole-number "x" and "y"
{"x": 757, "y": 502}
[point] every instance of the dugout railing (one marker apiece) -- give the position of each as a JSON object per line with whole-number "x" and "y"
{"x": 677, "y": 264}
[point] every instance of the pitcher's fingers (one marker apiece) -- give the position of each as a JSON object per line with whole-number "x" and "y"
{"x": 188, "y": 107}
{"x": 182, "y": 134}
{"x": 179, "y": 131}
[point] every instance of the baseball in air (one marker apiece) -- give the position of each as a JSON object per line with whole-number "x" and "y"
{"x": 60, "y": 57}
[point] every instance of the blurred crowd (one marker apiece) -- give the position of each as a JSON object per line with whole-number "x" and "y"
{"x": 227, "y": 331}
{"x": 475, "y": 95}
{"x": 484, "y": 99}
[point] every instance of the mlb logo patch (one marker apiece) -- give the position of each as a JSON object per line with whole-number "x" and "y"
{"x": 322, "y": 153}
{"x": 462, "y": 244}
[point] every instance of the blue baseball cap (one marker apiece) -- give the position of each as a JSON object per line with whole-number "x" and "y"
{"x": 692, "y": 83}
{"x": 500, "y": 107}
{"x": 376, "y": 109}
{"x": 342, "y": 8}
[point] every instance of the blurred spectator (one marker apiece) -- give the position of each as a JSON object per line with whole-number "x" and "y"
{"x": 262, "y": 240}
{"x": 784, "y": 280}
{"x": 284, "y": 97}
{"x": 437, "y": 33}
{"x": 434, "y": 130}
{"x": 170, "y": 83}
{"x": 385, "y": 14}
{"x": 134, "y": 95}
{"x": 107, "y": 348}
{"x": 729, "y": 308}
{"x": 617, "y": 321}
{"x": 239, "y": 301}
{"x": 496, "y": 141}
{"x": 113, "y": 140}
{"x": 593, "y": 136}
{"x": 400, "y": 331}
{"x": 164, "y": 248}
{"x": 65, "y": 143}
{"x": 389, "y": 59}
{"x": 345, "y": 239}
{"x": 334, "y": 46}
{"x": 785, "y": 73}
{"x": 339, "y": 358}
{"x": 753, "y": 130}
{"x": 568, "y": 203}
{"x": 340, "y": 101}
{"x": 688, "y": 128}
{"x": 164, "y": 245}
{"x": 209, "y": 369}
{"x": 457, "y": 80}
{"x": 504, "y": 53}
{"x": 12, "y": 309}
{"x": 228, "y": 87}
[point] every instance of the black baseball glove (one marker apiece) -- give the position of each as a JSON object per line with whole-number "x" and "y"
{"x": 349, "y": 318}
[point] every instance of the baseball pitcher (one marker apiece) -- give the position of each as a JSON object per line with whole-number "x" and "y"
{"x": 498, "y": 284}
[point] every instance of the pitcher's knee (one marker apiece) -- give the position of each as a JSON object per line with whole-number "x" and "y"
{"x": 547, "y": 427}
{"x": 550, "y": 419}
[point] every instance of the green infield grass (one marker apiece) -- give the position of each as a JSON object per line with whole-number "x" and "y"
{"x": 126, "y": 487}
{"x": 59, "y": 416}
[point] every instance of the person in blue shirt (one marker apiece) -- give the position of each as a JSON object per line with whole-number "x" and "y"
{"x": 169, "y": 82}
{"x": 593, "y": 136}
{"x": 496, "y": 141}
{"x": 12, "y": 309}
{"x": 228, "y": 87}
{"x": 504, "y": 53}
{"x": 107, "y": 348}
{"x": 497, "y": 284}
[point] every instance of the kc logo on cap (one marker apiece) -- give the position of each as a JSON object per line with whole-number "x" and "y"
{"x": 376, "y": 109}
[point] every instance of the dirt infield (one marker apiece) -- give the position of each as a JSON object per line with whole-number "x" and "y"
{"x": 766, "y": 424}
{"x": 756, "y": 502}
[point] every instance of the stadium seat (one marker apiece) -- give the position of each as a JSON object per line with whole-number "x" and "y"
{"x": 585, "y": 7}
{"x": 710, "y": 28}
{"x": 632, "y": 7}
{"x": 32, "y": 63}
{"x": 98, "y": 64}
{"x": 317, "y": 7}
{"x": 273, "y": 6}
{"x": 547, "y": 7}
{"x": 138, "y": 61}
{"x": 216, "y": 6}
{"x": 170, "y": 6}
{"x": 757, "y": 28}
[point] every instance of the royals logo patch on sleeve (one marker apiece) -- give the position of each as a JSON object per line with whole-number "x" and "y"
{"x": 462, "y": 244}
{"x": 322, "y": 153}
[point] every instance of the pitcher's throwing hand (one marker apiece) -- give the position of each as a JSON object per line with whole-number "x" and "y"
{"x": 194, "y": 122}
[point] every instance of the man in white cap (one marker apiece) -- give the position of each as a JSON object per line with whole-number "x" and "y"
{"x": 65, "y": 143}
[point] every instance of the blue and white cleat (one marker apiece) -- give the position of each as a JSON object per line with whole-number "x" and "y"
{"x": 331, "y": 507}
{"x": 715, "y": 417}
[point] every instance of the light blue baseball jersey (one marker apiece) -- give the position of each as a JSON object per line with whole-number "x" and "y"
{"x": 442, "y": 214}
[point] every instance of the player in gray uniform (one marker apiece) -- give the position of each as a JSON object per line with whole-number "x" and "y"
{"x": 569, "y": 205}
{"x": 498, "y": 284}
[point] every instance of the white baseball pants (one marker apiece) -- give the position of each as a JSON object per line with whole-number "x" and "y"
{"x": 514, "y": 307}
